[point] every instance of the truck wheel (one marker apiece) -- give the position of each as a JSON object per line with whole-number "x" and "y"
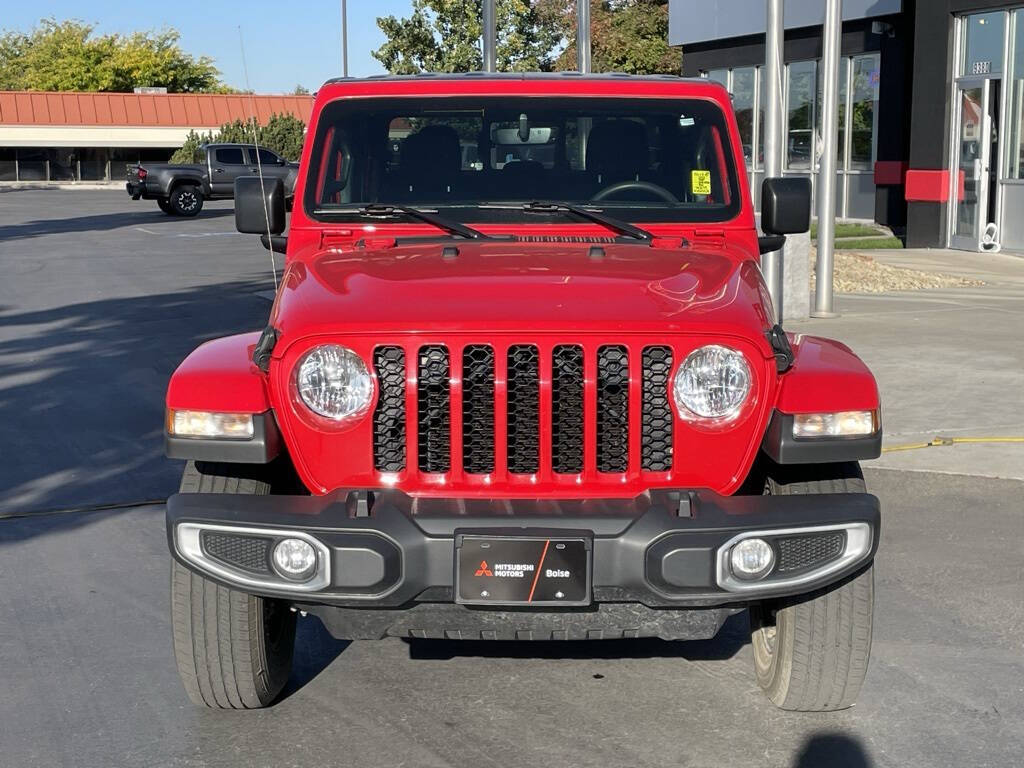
{"x": 165, "y": 206}
{"x": 233, "y": 650}
{"x": 186, "y": 200}
{"x": 811, "y": 652}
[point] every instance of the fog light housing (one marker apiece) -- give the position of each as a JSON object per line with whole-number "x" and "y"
{"x": 295, "y": 559}
{"x": 751, "y": 559}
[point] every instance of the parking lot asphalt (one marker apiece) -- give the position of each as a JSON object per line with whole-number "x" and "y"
{"x": 102, "y": 297}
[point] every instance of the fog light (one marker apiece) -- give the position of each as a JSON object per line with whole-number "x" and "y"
{"x": 295, "y": 559}
{"x": 751, "y": 559}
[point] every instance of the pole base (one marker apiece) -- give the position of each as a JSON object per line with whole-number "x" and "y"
{"x": 825, "y": 315}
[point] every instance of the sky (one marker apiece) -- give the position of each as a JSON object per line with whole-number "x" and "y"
{"x": 287, "y": 42}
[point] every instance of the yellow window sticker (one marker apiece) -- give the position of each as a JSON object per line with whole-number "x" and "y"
{"x": 700, "y": 182}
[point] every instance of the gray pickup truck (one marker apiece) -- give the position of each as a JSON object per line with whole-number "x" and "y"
{"x": 180, "y": 190}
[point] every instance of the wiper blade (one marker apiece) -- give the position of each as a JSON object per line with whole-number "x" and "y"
{"x": 622, "y": 227}
{"x": 453, "y": 227}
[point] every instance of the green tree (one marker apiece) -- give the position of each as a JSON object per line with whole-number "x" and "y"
{"x": 283, "y": 134}
{"x": 68, "y": 56}
{"x": 625, "y": 36}
{"x": 444, "y": 36}
{"x": 532, "y": 35}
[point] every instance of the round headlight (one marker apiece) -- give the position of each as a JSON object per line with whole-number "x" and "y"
{"x": 713, "y": 382}
{"x": 333, "y": 382}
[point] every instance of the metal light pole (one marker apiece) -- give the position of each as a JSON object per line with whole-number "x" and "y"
{"x": 823, "y": 267}
{"x": 490, "y": 45}
{"x": 344, "y": 38}
{"x": 583, "y": 36}
{"x": 771, "y": 263}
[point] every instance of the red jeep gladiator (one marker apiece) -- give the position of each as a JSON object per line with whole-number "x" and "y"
{"x": 522, "y": 381}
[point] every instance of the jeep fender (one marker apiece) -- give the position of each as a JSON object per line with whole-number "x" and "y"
{"x": 220, "y": 376}
{"x": 826, "y": 376}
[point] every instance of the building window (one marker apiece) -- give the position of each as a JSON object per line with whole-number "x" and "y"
{"x": 8, "y": 166}
{"x": 802, "y": 89}
{"x": 983, "y": 44}
{"x": 1015, "y": 120}
{"x": 864, "y": 111}
{"x": 743, "y": 90}
{"x": 719, "y": 76}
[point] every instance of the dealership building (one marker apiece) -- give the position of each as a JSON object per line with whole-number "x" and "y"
{"x": 81, "y": 137}
{"x": 931, "y": 107}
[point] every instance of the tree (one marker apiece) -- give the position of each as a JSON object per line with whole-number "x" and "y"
{"x": 444, "y": 36}
{"x": 625, "y": 36}
{"x": 532, "y": 35}
{"x": 67, "y": 56}
{"x": 283, "y": 134}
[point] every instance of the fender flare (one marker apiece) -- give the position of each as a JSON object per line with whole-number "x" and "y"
{"x": 220, "y": 376}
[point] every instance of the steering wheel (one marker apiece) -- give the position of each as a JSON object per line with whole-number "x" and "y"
{"x": 642, "y": 186}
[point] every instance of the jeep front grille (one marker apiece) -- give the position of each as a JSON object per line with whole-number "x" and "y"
{"x": 522, "y": 409}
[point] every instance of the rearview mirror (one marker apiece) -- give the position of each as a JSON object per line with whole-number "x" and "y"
{"x": 251, "y": 215}
{"x": 785, "y": 206}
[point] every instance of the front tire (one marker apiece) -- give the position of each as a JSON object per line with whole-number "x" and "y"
{"x": 811, "y": 652}
{"x": 233, "y": 650}
{"x": 186, "y": 200}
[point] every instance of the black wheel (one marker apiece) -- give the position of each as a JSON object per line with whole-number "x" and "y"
{"x": 186, "y": 200}
{"x": 165, "y": 206}
{"x": 233, "y": 650}
{"x": 811, "y": 653}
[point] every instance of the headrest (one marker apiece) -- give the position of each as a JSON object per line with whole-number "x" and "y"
{"x": 432, "y": 148}
{"x": 617, "y": 149}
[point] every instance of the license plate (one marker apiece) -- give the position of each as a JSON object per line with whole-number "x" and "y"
{"x": 522, "y": 570}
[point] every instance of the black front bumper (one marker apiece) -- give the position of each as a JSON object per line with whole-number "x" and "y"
{"x": 396, "y": 554}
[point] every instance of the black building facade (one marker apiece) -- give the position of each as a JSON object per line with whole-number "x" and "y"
{"x": 931, "y": 114}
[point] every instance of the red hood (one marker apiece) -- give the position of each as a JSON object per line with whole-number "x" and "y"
{"x": 521, "y": 286}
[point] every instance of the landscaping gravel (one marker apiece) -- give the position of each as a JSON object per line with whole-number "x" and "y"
{"x": 859, "y": 273}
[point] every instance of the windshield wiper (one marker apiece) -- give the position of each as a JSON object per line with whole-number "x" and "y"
{"x": 453, "y": 227}
{"x": 622, "y": 227}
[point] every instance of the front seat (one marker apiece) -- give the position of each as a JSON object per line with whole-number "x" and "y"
{"x": 429, "y": 164}
{"x": 617, "y": 151}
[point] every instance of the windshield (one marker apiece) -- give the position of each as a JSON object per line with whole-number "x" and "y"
{"x": 640, "y": 159}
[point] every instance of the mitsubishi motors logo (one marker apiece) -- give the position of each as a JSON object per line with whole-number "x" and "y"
{"x": 483, "y": 570}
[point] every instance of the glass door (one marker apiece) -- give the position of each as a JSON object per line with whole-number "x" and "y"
{"x": 972, "y": 168}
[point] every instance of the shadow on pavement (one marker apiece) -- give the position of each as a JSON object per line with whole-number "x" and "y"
{"x": 834, "y": 750}
{"x": 734, "y": 634}
{"x": 101, "y": 222}
{"x": 82, "y": 392}
{"x": 315, "y": 650}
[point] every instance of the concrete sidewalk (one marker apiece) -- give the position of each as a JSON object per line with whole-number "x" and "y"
{"x": 948, "y": 362}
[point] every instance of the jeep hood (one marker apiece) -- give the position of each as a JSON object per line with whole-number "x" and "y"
{"x": 521, "y": 287}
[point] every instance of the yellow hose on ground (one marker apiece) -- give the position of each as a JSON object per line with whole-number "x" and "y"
{"x": 941, "y": 441}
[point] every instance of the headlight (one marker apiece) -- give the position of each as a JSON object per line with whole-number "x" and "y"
{"x": 333, "y": 382}
{"x": 712, "y": 383}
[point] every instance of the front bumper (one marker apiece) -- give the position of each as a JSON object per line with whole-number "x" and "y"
{"x": 388, "y": 551}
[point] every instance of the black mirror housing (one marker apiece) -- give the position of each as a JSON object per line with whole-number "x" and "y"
{"x": 786, "y": 206}
{"x": 251, "y": 216}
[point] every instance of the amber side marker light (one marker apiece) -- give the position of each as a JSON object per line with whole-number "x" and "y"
{"x": 836, "y": 424}
{"x": 233, "y": 426}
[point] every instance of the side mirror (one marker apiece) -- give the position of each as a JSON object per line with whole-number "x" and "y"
{"x": 785, "y": 206}
{"x": 250, "y": 214}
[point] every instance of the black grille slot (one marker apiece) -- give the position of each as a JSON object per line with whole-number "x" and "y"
{"x": 478, "y": 409}
{"x": 567, "y": 409}
{"x": 433, "y": 402}
{"x": 249, "y": 553}
{"x": 389, "y": 416}
{"x": 656, "y": 413}
{"x": 810, "y": 550}
{"x": 612, "y": 409}
{"x": 523, "y": 409}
